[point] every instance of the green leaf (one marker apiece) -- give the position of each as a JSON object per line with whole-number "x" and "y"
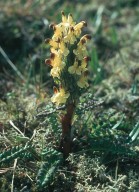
{"x": 48, "y": 167}
{"x": 118, "y": 123}
{"x": 134, "y": 133}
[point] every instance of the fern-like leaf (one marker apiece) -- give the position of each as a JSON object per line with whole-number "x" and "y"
{"x": 14, "y": 152}
{"x": 48, "y": 168}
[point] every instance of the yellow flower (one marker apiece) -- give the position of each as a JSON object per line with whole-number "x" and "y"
{"x": 80, "y": 52}
{"x": 57, "y": 62}
{"x": 64, "y": 50}
{"x": 82, "y": 82}
{"x": 52, "y": 43}
{"x": 83, "y": 67}
{"x": 70, "y": 20}
{"x": 78, "y": 27}
{"x": 78, "y": 69}
{"x": 56, "y": 52}
{"x": 56, "y": 59}
{"x": 70, "y": 37}
{"x": 58, "y": 32}
{"x": 57, "y": 68}
{"x": 67, "y": 21}
{"x": 84, "y": 39}
{"x": 74, "y": 69}
{"x": 64, "y": 18}
{"x": 55, "y": 72}
{"x": 60, "y": 97}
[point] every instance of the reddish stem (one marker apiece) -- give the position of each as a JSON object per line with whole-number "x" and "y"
{"x": 66, "y": 130}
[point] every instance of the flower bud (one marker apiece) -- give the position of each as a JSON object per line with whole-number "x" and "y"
{"x": 48, "y": 61}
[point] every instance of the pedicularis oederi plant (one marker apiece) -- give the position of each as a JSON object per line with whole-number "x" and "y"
{"x": 68, "y": 61}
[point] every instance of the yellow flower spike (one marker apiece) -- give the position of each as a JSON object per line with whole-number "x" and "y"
{"x": 60, "y": 97}
{"x": 66, "y": 37}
